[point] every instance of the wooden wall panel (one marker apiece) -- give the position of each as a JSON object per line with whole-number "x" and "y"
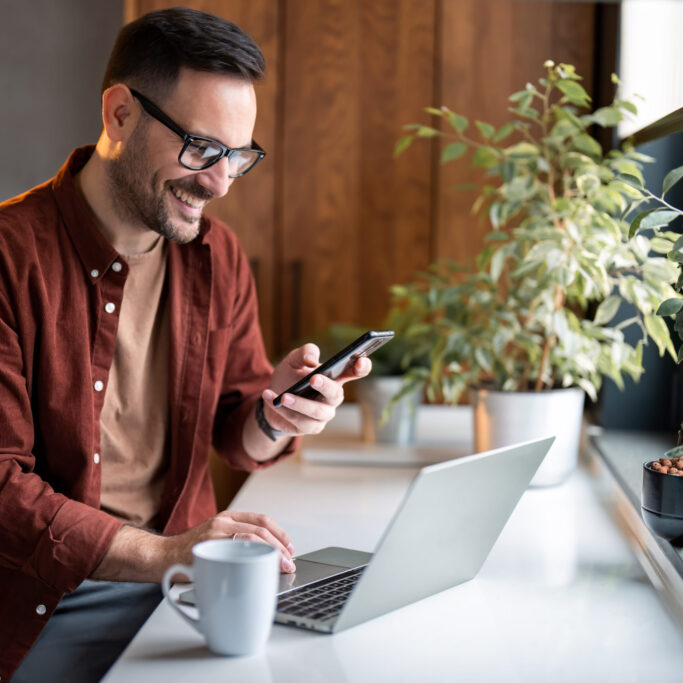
{"x": 354, "y": 221}
{"x": 249, "y": 207}
{"x": 488, "y": 50}
{"x": 320, "y": 182}
{"x": 397, "y": 57}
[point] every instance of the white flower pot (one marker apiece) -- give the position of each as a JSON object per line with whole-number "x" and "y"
{"x": 502, "y": 418}
{"x": 374, "y": 394}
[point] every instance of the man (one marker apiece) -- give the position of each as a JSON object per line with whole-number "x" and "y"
{"x": 129, "y": 344}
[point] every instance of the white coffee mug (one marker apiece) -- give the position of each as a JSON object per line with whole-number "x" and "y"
{"x": 235, "y": 584}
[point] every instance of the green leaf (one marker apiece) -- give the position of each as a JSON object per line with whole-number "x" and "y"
{"x": 660, "y": 245}
{"x": 522, "y": 150}
{"x": 586, "y": 144}
{"x": 484, "y": 359}
{"x": 637, "y": 221}
{"x": 427, "y": 132}
{"x": 497, "y": 262}
{"x": 562, "y": 129}
{"x": 588, "y": 184}
{"x": 607, "y": 310}
{"x": 497, "y": 236}
{"x": 508, "y": 170}
{"x": 679, "y": 358}
{"x": 483, "y": 257}
{"x": 517, "y": 96}
{"x": 402, "y": 145}
{"x": 634, "y": 181}
{"x": 588, "y": 387}
{"x": 670, "y": 307}
{"x": 453, "y": 151}
{"x": 486, "y": 129}
{"x": 485, "y": 157}
{"x": 503, "y": 132}
{"x": 626, "y": 189}
{"x": 574, "y": 92}
{"x": 672, "y": 177}
{"x": 625, "y": 104}
{"x": 495, "y": 215}
{"x": 659, "y": 333}
{"x": 658, "y": 219}
{"x": 607, "y": 117}
{"x": 458, "y": 122}
{"x": 434, "y": 111}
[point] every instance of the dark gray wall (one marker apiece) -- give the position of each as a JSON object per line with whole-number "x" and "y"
{"x": 52, "y": 58}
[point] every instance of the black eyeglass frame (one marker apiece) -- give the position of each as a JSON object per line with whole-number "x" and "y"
{"x": 188, "y": 139}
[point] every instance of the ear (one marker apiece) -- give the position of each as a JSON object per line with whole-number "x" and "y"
{"x": 120, "y": 113}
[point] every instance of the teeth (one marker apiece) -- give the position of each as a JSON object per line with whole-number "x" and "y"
{"x": 188, "y": 199}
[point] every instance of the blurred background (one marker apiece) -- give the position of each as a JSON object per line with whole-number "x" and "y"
{"x": 330, "y": 219}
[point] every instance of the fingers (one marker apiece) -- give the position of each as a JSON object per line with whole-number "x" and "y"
{"x": 261, "y": 520}
{"x": 251, "y": 526}
{"x": 286, "y": 563}
{"x": 361, "y": 368}
{"x": 299, "y": 415}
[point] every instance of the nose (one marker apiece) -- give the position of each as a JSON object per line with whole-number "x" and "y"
{"x": 215, "y": 178}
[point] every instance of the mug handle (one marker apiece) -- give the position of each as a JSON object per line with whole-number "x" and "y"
{"x": 166, "y": 587}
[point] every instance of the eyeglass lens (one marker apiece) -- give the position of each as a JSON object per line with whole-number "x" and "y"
{"x": 199, "y": 154}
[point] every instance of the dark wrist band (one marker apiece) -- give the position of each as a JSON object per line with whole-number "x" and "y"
{"x": 263, "y": 424}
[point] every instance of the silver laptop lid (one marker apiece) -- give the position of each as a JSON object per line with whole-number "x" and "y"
{"x": 444, "y": 529}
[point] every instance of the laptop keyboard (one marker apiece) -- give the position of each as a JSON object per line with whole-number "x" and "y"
{"x": 322, "y": 599}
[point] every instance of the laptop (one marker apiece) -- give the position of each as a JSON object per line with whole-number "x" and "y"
{"x": 450, "y": 519}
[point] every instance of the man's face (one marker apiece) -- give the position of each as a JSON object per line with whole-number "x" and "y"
{"x": 149, "y": 185}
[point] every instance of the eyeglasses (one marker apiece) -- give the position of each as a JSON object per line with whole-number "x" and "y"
{"x": 199, "y": 153}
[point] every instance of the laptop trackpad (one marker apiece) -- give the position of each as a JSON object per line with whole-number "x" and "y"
{"x": 322, "y": 563}
{"x": 306, "y": 572}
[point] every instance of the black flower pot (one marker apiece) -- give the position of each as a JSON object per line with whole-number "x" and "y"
{"x": 662, "y": 504}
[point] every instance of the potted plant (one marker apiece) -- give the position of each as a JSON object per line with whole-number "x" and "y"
{"x": 662, "y": 482}
{"x": 384, "y": 420}
{"x": 528, "y": 326}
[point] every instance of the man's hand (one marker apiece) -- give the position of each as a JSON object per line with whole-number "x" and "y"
{"x": 139, "y": 555}
{"x": 243, "y": 526}
{"x": 299, "y": 415}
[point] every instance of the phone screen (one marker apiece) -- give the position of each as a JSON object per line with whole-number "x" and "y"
{"x": 339, "y": 363}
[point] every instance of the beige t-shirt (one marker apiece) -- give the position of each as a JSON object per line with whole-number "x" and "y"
{"x": 135, "y": 415}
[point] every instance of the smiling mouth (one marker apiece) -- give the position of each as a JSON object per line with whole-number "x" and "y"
{"x": 188, "y": 199}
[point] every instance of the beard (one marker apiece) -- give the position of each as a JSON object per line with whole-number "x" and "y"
{"x": 139, "y": 196}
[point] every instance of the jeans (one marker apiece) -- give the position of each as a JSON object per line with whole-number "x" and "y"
{"x": 88, "y": 631}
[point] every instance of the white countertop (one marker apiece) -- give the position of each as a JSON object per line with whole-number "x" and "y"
{"x": 561, "y": 597}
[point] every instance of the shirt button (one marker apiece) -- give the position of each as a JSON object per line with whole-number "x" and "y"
{"x": 116, "y": 267}
{"x": 96, "y": 458}
{"x": 94, "y": 272}
{"x": 99, "y": 385}
{"x": 41, "y": 610}
{"x": 110, "y": 307}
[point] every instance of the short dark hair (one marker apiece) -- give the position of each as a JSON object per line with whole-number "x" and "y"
{"x": 150, "y": 51}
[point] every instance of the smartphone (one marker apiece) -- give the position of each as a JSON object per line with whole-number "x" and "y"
{"x": 339, "y": 363}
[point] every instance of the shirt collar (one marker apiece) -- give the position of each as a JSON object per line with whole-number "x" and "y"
{"x": 95, "y": 252}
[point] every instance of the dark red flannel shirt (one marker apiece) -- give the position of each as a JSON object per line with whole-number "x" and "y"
{"x": 57, "y": 272}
